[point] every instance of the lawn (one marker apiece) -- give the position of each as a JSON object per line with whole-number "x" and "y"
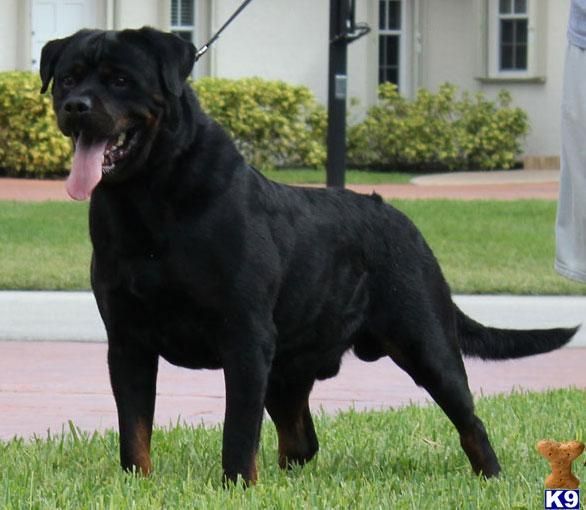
{"x": 483, "y": 247}
{"x": 493, "y": 246}
{"x": 44, "y": 245}
{"x": 405, "y": 459}
{"x": 309, "y": 176}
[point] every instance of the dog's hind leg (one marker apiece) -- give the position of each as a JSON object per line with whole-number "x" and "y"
{"x": 288, "y": 406}
{"x": 133, "y": 375}
{"x": 436, "y": 364}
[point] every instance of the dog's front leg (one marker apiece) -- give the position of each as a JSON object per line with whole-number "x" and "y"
{"x": 246, "y": 369}
{"x": 133, "y": 375}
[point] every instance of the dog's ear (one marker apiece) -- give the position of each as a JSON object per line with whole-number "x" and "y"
{"x": 175, "y": 56}
{"x": 49, "y": 57}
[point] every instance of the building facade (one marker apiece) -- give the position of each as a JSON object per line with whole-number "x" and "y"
{"x": 479, "y": 45}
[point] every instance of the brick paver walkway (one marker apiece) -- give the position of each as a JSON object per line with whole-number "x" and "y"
{"x": 37, "y": 190}
{"x": 45, "y": 384}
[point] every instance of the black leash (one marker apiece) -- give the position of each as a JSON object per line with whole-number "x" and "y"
{"x": 207, "y": 45}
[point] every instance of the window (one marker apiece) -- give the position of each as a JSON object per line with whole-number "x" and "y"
{"x": 513, "y": 35}
{"x": 514, "y": 44}
{"x": 183, "y": 19}
{"x": 390, "y": 41}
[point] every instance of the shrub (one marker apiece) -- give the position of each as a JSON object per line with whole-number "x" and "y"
{"x": 275, "y": 124}
{"x": 272, "y": 122}
{"x": 437, "y": 131}
{"x": 29, "y": 138}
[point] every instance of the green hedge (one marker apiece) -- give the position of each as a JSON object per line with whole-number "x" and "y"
{"x": 30, "y": 142}
{"x": 272, "y": 122}
{"x": 438, "y": 131}
{"x": 277, "y": 124}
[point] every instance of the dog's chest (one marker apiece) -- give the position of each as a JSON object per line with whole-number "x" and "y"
{"x": 170, "y": 286}
{"x": 153, "y": 255}
{"x": 151, "y": 270}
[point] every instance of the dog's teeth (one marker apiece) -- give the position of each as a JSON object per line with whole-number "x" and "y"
{"x": 121, "y": 139}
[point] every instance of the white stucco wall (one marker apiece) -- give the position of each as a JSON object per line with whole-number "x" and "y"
{"x": 9, "y": 30}
{"x": 362, "y": 60}
{"x": 448, "y": 45}
{"x": 275, "y": 39}
{"x": 138, "y": 13}
{"x": 280, "y": 39}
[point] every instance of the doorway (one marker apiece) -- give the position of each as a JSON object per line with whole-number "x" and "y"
{"x": 53, "y": 19}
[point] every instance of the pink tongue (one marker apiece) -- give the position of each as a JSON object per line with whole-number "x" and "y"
{"x": 86, "y": 169}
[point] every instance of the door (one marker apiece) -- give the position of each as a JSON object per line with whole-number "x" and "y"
{"x": 53, "y": 19}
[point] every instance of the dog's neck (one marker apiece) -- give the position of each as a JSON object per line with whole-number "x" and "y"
{"x": 195, "y": 134}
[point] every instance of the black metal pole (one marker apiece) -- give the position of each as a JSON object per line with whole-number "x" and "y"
{"x": 337, "y": 92}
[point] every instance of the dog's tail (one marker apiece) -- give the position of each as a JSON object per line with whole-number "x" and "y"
{"x": 493, "y": 343}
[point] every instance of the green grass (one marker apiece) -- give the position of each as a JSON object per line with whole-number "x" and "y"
{"x": 483, "y": 247}
{"x": 404, "y": 459}
{"x": 493, "y": 247}
{"x": 44, "y": 246}
{"x": 309, "y": 176}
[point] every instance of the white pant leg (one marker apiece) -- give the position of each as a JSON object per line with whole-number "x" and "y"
{"x": 571, "y": 214}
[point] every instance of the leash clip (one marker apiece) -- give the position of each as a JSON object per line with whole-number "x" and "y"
{"x": 201, "y": 52}
{"x": 213, "y": 39}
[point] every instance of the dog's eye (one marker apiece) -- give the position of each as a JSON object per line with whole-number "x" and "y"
{"x": 120, "y": 82}
{"x": 68, "y": 81}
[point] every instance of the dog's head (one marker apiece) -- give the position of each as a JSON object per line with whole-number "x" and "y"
{"x": 111, "y": 92}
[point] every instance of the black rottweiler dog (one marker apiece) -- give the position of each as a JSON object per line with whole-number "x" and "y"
{"x": 201, "y": 260}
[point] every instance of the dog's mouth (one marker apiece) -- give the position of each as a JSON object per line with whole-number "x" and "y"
{"x": 95, "y": 158}
{"x": 118, "y": 149}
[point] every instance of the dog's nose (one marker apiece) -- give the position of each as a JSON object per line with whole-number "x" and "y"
{"x": 78, "y": 105}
